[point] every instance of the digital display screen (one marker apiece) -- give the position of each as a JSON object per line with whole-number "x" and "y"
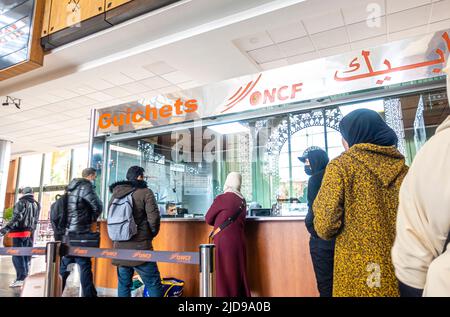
{"x": 16, "y": 18}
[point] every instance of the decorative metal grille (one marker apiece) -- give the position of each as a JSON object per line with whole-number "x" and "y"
{"x": 394, "y": 118}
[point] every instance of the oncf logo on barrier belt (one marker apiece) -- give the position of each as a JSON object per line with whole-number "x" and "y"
{"x": 80, "y": 251}
{"x": 109, "y": 253}
{"x": 40, "y": 251}
{"x": 142, "y": 255}
{"x": 12, "y": 251}
{"x": 181, "y": 258}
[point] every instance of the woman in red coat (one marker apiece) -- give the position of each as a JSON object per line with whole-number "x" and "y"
{"x": 231, "y": 256}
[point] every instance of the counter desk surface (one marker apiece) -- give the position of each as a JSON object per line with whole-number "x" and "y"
{"x": 278, "y": 259}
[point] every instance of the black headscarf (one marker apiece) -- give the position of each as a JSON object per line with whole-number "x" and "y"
{"x": 366, "y": 126}
{"x": 318, "y": 160}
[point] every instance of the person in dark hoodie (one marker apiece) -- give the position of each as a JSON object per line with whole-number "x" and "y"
{"x": 147, "y": 218}
{"x": 322, "y": 251}
{"x": 21, "y": 229}
{"x": 83, "y": 209}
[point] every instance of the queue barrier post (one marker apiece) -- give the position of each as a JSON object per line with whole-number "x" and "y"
{"x": 53, "y": 284}
{"x": 207, "y": 276}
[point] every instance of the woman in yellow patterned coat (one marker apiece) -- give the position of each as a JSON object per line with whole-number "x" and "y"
{"x": 357, "y": 204}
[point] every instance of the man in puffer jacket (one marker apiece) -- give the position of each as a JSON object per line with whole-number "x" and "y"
{"x": 21, "y": 229}
{"x": 83, "y": 209}
{"x": 423, "y": 220}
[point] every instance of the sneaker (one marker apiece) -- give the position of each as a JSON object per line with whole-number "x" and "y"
{"x": 16, "y": 283}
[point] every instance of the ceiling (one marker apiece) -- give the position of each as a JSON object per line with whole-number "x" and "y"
{"x": 215, "y": 40}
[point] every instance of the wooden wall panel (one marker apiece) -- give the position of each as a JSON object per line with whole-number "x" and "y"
{"x": 112, "y": 4}
{"x": 279, "y": 263}
{"x": 46, "y": 18}
{"x": 62, "y": 15}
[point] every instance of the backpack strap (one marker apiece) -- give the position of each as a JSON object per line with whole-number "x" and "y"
{"x": 227, "y": 222}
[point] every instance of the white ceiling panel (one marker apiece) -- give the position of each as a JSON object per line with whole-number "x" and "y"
{"x": 116, "y": 92}
{"x": 296, "y": 47}
{"x": 439, "y": 26}
{"x": 266, "y": 54}
{"x": 335, "y": 50}
{"x": 369, "y": 43}
{"x": 82, "y": 89}
{"x": 63, "y": 93}
{"x": 155, "y": 83}
{"x": 135, "y": 88}
{"x": 360, "y": 31}
{"x": 49, "y": 98}
{"x": 401, "y": 5}
{"x": 83, "y": 101}
{"x": 189, "y": 84}
{"x": 407, "y": 33}
{"x": 168, "y": 90}
{"x": 274, "y": 64}
{"x": 177, "y": 77}
{"x": 100, "y": 96}
{"x": 137, "y": 72}
{"x": 363, "y": 10}
{"x": 117, "y": 78}
{"x": 324, "y": 22}
{"x": 286, "y": 33}
{"x": 408, "y": 19}
{"x": 302, "y": 58}
{"x": 255, "y": 41}
{"x": 440, "y": 11}
{"x": 330, "y": 38}
{"x": 159, "y": 68}
{"x": 96, "y": 83}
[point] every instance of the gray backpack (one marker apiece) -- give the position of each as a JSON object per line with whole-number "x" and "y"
{"x": 121, "y": 224}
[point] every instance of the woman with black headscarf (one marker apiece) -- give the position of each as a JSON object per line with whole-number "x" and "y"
{"x": 322, "y": 251}
{"x": 357, "y": 204}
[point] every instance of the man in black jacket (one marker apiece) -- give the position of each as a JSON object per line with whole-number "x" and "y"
{"x": 83, "y": 209}
{"x": 322, "y": 251}
{"x": 21, "y": 229}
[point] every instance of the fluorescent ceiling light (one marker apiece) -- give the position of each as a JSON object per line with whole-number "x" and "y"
{"x": 376, "y": 105}
{"x": 229, "y": 128}
{"x": 124, "y": 150}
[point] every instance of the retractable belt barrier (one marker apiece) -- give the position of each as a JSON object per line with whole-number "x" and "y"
{"x": 54, "y": 250}
{"x": 22, "y": 251}
{"x": 136, "y": 255}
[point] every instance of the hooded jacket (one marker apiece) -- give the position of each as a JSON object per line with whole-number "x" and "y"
{"x": 318, "y": 161}
{"x": 423, "y": 222}
{"x": 83, "y": 206}
{"x": 25, "y": 215}
{"x": 145, "y": 213}
{"x": 357, "y": 205}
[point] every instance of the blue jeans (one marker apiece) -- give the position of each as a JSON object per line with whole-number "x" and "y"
{"x": 149, "y": 274}
{"x": 86, "y": 277}
{"x": 21, "y": 263}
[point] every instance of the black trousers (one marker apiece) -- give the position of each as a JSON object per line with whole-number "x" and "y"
{"x": 408, "y": 291}
{"x": 86, "y": 277}
{"x": 322, "y": 256}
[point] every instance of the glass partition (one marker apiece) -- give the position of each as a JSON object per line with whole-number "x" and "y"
{"x": 187, "y": 169}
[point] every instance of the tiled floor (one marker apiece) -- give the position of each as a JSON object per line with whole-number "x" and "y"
{"x": 8, "y": 274}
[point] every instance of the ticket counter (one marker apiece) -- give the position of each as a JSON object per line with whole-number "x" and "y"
{"x": 278, "y": 260}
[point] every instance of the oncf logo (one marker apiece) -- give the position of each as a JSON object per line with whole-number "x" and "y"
{"x": 266, "y": 96}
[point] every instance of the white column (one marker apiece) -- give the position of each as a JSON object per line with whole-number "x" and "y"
{"x": 5, "y": 157}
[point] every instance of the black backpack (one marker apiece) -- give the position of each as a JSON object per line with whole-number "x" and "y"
{"x": 58, "y": 216}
